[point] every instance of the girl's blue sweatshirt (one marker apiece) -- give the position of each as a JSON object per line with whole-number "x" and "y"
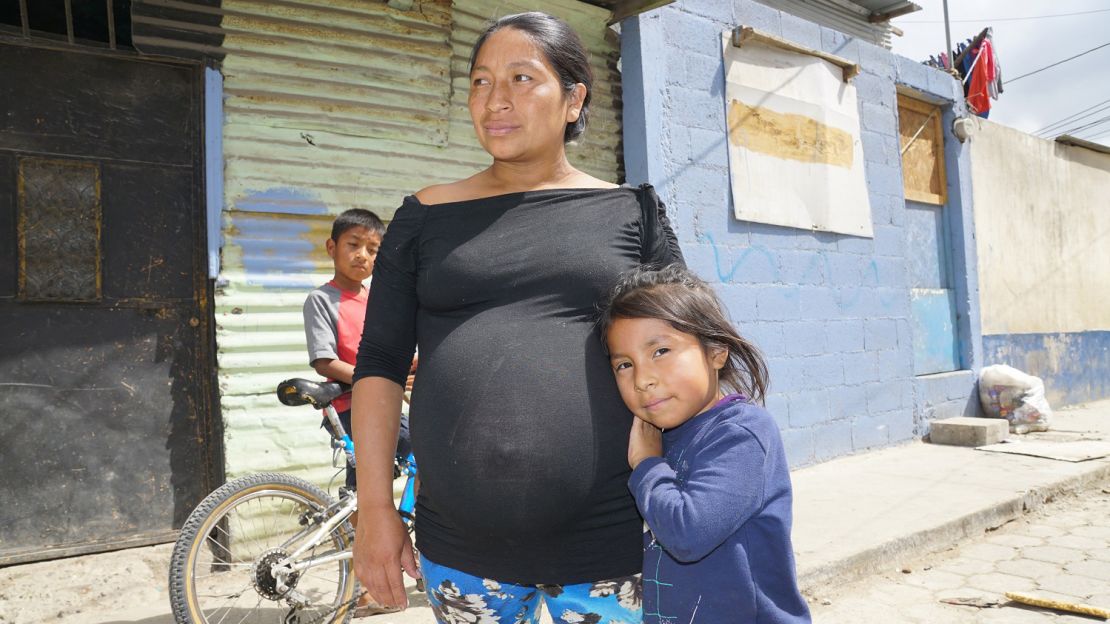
{"x": 718, "y": 506}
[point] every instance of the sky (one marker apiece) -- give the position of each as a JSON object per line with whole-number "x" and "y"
{"x": 1024, "y": 45}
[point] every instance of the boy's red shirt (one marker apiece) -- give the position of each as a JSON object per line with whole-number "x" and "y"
{"x": 351, "y": 316}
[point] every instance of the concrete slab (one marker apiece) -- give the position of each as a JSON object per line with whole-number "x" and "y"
{"x": 862, "y": 514}
{"x": 965, "y": 431}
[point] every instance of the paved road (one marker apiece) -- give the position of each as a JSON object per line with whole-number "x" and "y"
{"x": 1061, "y": 552}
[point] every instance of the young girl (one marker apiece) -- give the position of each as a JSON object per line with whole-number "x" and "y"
{"x": 708, "y": 470}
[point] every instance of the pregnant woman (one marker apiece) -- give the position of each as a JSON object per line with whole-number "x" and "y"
{"x": 516, "y": 422}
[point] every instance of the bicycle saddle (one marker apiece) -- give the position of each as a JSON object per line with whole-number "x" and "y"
{"x": 307, "y": 392}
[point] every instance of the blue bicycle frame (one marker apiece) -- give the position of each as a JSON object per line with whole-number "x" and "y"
{"x": 407, "y": 465}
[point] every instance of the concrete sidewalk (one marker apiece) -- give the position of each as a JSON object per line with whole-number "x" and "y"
{"x": 865, "y": 513}
{"x": 853, "y": 516}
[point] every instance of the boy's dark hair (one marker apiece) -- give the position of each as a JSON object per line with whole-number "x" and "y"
{"x": 356, "y": 217}
{"x": 562, "y": 48}
{"x": 679, "y": 298}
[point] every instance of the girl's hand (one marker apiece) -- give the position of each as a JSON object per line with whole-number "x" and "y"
{"x": 645, "y": 440}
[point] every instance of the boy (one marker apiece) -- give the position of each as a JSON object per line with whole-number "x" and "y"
{"x": 333, "y": 320}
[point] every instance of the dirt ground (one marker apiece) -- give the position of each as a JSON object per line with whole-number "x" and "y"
{"x": 117, "y": 587}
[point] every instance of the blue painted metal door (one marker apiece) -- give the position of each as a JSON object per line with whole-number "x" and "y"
{"x": 932, "y": 297}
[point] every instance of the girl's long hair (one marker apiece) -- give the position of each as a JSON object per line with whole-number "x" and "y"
{"x": 679, "y": 298}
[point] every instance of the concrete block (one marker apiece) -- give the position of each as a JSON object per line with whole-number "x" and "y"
{"x": 819, "y": 303}
{"x": 696, "y": 109}
{"x": 845, "y": 269}
{"x": 860, "y": 367}
{"x": 720, "y": 12}
{"x": 901, "y": 426}
{"x": 856, "y": 245}
{"x": 823, "y": 241}
{"x": 705, "y": 73}
{"x": 870, "y": 431}
{"x": 777, "y": 303}
{"x": 708, "y": 147}
{"x": 801, "y": 267}
{"x": 877, "y": 118}
{"x": 890, "y": 241}
{"x": 779, "y": 407}
{"x": 876, "y": 60}
{"x": 847, "y": 402}
{"x": 880, "y": 334}
{"x": 896, "y": 363}
{"x": 773, "y": 236}
{"x": 883, "y": 396}
{"x": 753, "y": 264}
{"x": 877, "y": 148}
{"x": 691, "y": 32}
{"x": 798, "y": 444}
{"x": 912, "y": 73}
{"x": 883, "y": 179}
{"x": 759, "y": 16}
{"x": 960, "y": 384}
{"x": 739, "y": 302}
{"x": 821, "y": 371}
{"x": 890, "y": 270}
{"x": 835, "y": 42}
{"x": 704, "y": 259}
{"x": 804, "y": 337}
{"x": 674, "y": 71}
{"x": 832, "y": 439}
{"x": 767, "y": 336}
{"x": 801, "y": 31}
{"x": 944, "y": 85}
{"x": 703, "y": 187}
{"x": 783, "y": 373}
{"x": 808, "y": 408}
{"x": 845, "y": 336}
{"x": 962, "y": 431}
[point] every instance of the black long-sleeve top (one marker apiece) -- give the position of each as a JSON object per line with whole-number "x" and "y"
{"x": 516, "y": 422}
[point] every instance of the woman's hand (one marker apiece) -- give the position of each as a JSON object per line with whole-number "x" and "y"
{"x": 645, "y": 440}
{"x": 382, "y": 549}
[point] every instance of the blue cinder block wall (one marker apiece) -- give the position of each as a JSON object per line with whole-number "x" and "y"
{"x": 830, "y": 312}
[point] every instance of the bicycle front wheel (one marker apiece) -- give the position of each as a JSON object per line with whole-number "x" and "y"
{"x": 223, "y": 564}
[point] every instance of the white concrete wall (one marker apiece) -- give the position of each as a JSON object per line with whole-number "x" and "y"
{"x": 1042, "y": 220}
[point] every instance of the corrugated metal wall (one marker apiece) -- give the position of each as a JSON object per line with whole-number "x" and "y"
{"x": 329, "y": 106}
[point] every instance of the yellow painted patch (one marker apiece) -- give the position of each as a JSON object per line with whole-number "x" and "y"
{"x": 784, "y": 135}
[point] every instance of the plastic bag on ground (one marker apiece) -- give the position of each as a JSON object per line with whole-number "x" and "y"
{"x": 1006, "y": 392}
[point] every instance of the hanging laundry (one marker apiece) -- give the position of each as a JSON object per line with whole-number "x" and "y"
{"x": 984, "y": 78}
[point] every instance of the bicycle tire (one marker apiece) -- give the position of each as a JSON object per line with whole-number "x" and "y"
{"x": 236, "y": 553}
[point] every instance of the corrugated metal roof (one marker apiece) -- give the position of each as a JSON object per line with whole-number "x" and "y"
{"x": 329, "y": 106}
{"x": 849, "y": 17}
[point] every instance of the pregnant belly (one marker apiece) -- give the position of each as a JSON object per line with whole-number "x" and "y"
{"x": 509, "y": 444}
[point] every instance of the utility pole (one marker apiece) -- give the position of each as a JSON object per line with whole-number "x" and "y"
{"x": 948, "y": 39}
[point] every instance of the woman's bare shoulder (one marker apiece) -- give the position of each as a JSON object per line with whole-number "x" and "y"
{"x": 445, "y": 193}
{"x": 585, "y": 180}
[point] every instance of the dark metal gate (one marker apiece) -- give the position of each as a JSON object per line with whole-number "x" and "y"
{"x": 105, "y": 358}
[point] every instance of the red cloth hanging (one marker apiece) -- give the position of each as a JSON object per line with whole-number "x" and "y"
{"x": 978, "y": 95}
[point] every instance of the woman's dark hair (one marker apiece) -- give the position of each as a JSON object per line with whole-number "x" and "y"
{"x": 562, "y": 48}
{"x": 356, "y": 217}
{"x": 679, "y": 298}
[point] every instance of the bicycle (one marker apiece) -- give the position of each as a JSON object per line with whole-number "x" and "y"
{"x": 272, "y": 546}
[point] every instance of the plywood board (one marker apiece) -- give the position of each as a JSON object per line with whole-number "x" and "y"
{"x": 795, "y": 155}
{"x": 922, "y": 146}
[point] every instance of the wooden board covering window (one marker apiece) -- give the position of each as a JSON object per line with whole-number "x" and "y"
{"x": 922, "y": 147}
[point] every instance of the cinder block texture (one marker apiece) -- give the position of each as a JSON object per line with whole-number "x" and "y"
{"x": 831, "y": 312}
{"x": 963, "y": 431}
